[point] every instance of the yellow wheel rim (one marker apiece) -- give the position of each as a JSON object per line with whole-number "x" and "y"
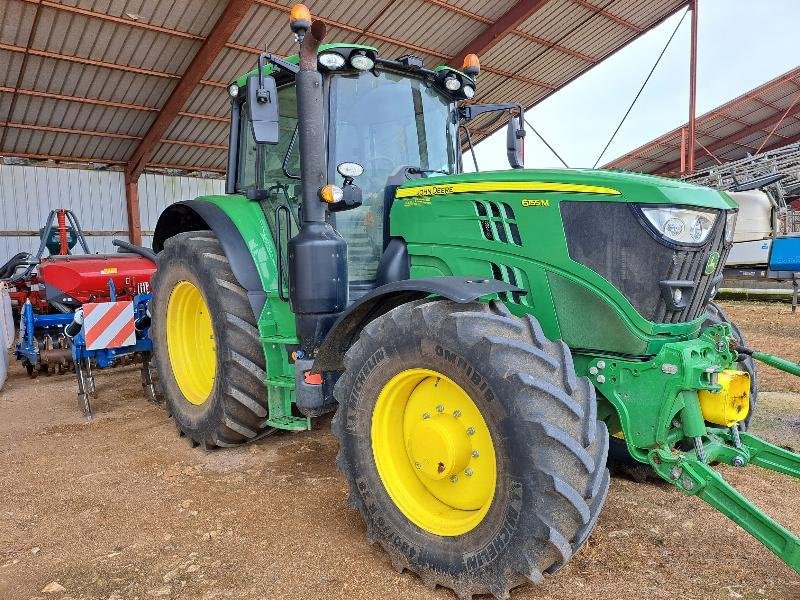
{"x": 190, "y": 341}
{"x": 433, "y": 452}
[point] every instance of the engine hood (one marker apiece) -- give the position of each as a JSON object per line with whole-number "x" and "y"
{"x": 612, "y": 186}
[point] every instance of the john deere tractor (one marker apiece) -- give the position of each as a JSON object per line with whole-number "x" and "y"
{"x": 479, "y": 335}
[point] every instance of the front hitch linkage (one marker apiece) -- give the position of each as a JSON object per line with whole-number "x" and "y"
{"x": 690, "y": 472}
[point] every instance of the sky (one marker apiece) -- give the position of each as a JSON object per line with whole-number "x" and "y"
{"x": 741, "y": 44}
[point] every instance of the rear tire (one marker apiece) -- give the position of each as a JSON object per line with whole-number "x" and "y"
{"x": 549, "y": 448}
{"x": 236, "y": 407}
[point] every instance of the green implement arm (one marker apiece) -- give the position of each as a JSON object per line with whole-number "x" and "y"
{"x": 692, "y": 474}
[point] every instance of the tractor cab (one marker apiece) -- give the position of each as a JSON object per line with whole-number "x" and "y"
{"x": 386, "y": 121}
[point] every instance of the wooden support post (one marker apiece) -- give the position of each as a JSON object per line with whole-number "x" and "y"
{"x": 132, "y": 204}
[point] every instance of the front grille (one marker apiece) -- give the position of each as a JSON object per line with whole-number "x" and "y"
{"x": 610, "y": 239}
{"x": 690, "y": 265}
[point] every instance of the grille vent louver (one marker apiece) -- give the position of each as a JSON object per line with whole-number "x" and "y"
{"x": 498, "y": 222}
{"x": 514, "y": 276}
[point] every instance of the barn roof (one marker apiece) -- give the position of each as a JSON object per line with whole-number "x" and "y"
{"x": 142, "y": 84}
{"x": 760, "y": 120}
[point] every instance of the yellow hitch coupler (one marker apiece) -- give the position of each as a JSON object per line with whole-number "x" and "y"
{"x": 731, "y": 404}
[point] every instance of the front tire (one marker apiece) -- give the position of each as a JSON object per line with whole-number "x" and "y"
{"x": 494, "y": 384}
{"x": 208, "y": 353}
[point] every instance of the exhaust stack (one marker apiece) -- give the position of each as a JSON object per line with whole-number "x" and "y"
{"x": 317, "y": 254}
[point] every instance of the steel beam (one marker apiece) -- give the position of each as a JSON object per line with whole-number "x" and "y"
{"x": 22, "y": 68}
{"x": 228, "y": 21}
{"x": 488, "y": 38}
{"x": 691, "y": 140}
{"x": 609, "y": 16}
{"x": 758, "y": 127}
{"x": 108, "y": 103}
{"x": 109, "y": 134}
{"x": 523, "y": 34}
{"x": 106, "y": 65}
{"x": 109, "y": 161}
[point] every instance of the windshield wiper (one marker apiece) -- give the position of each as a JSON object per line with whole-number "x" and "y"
{"x": 421, "y": 171}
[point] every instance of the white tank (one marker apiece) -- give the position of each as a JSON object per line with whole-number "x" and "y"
{"x": 6, "y": 332}
{"x": 755, "y": 216}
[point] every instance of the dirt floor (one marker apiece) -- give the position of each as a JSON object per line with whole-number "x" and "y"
{"x": 123, "y": 508}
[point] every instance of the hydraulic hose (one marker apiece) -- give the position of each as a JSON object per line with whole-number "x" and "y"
{"x": 148, "y": 254}
{"x": 773, "y": 361}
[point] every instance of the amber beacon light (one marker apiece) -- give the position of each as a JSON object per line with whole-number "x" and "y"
{"x": 472, "y": 66}
{"x": 299, "y": 18}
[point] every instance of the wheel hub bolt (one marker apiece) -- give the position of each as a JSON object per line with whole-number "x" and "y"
{"x": 440, "y": 408}
{"x": 454, "y": 479}
{"x": 456, "y": 413}
{"x": 426, "y": 415}
{"x": 468, "y": 472}
{"x": 475, "y": 454}
{"x": 418, "y": 465}
{"x": 470, "y": 431}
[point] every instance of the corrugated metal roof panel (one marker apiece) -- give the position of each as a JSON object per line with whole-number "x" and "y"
{"x": 174, "y": 154}
{"x": 432, "y": 29}
{"x": 77, "y": 35}
{"x": 427, "y": 27}
{"x": 16, "y": 20}
{"x": 209, "y": 132}
{"x": 64, "y": 144}
{"x": 88, "y": 81}
{"x": 73, "y": 115}
{"x": 192, "y": 16}
{"x": 10, "y": 74}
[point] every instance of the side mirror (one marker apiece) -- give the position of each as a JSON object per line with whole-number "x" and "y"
{"x": 262, "y": 108}
{"x": 515, "y": 142}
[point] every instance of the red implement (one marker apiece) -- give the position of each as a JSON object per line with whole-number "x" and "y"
{"x": 84, "y": 278}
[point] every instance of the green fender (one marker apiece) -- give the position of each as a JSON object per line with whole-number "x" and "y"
{"x": 247, "y": 239}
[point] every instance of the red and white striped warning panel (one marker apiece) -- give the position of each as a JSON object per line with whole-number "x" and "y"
{"x": 108, "y": 325}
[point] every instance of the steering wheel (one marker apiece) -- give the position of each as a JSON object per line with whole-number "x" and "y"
{"x": 376, "y": 160}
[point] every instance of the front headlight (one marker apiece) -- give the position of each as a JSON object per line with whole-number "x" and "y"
{"x": 681, "y": 225}
{"x": 730, "y": 225}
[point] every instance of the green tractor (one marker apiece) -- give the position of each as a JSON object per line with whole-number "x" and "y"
{"x": 479, "y": 335}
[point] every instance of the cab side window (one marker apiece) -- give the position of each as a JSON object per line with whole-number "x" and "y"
{"x": 273, "y": 155}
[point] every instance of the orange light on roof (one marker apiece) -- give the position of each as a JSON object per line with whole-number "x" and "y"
{"x": 472, "y": 66}
{"x": 300, "y": 16}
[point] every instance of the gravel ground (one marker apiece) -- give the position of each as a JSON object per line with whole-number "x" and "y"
{"x": 123, "y": 508}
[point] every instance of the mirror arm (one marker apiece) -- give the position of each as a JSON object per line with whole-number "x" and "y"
{"x": 472, "y": 111}
{"x": 279, "y": 62}
{"x": 471, "y": 146}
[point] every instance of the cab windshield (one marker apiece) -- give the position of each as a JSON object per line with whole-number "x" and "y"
{"x": 385, "y": 122}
